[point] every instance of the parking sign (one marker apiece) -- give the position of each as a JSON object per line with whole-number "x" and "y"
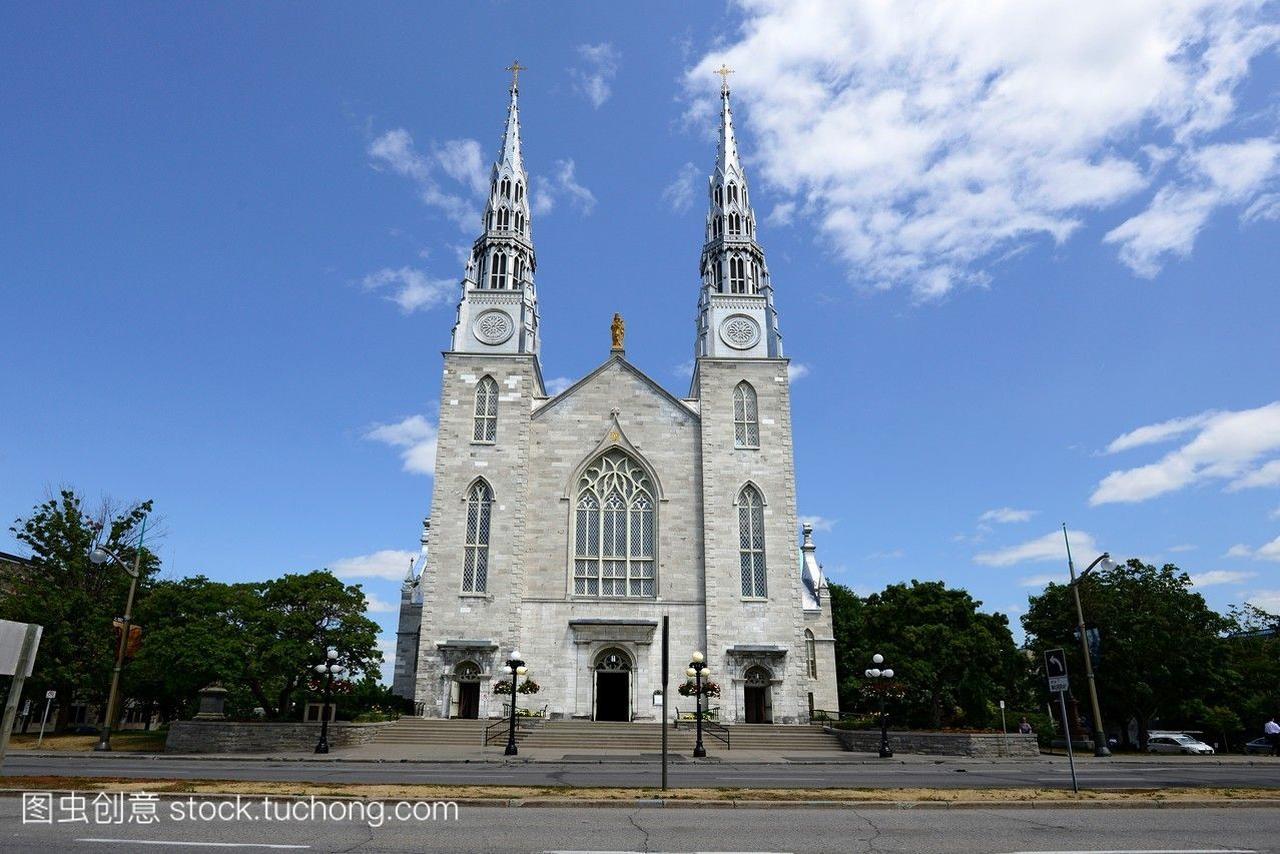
{"x": 1055, "y": 667}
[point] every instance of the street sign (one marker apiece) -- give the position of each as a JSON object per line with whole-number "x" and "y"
{"x": 49, "y": 695}
{"x": 1055, "y": 667}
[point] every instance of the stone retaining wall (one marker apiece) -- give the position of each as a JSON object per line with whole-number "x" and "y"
{"x": 263, "y": 737}
{"x": 985, "y": 745}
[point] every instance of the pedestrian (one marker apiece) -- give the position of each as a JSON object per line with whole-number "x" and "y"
{"x": 1024, "y": 726}
{"x": 1271, "y": 730}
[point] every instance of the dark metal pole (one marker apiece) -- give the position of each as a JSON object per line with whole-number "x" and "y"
{"x": 885, "y": 751}
{"x": 666, "y": 625}
{"x": 1100, "y": 748}
{"x": 1066, "y": 730}
{"x": 511, "y": 733}
{"x": 104, "y": 741}
{"x": 323, "y": 745}
{"x": 698, "y": 749}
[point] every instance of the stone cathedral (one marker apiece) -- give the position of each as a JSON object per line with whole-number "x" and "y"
{"x": 567, "y": 525}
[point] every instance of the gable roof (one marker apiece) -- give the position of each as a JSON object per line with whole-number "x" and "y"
{"x": 617, "y": 359}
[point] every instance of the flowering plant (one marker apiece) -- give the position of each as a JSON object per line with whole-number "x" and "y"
{"x": 690, "y": 689}
{"x": 528, "y": 686}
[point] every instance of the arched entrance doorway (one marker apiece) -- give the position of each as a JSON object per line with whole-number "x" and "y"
{"x": 613, "y": 686}
{"x": 756, "y": 699}
{"x": 466, "y": 678}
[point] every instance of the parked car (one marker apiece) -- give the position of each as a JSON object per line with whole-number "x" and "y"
{"x": 1178, "y": 744}
{"x": 1259, "y": 745}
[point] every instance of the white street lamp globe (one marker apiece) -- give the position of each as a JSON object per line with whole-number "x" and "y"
{"x": 319, "y": 668}
{"x": 99, "y": 556}
{"x": 705, "y": 673}
{"x": 522, "y": 670}
{"x": 697, "y": 656}
{"x": 515, "y": 654}
{"x": 335, "y": 669}
{"x": 867, "y": 672}
{"x": 874, "y": 672}
{"x": 506, "y": 668}
{"x": 888, "y": 674}
{"x": 333, "y": 654}
{"x": 689, "y": 671}
{"x": 877, "y": 659}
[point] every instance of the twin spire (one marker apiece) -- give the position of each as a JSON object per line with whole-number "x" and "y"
{"x": 498, "y": 312}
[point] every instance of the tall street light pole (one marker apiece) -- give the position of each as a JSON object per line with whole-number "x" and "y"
{"x": 886, "y": 752}
{"x": 330, "y": 669}
{"x": 515, "y": 667}
{"x": 698, "y": 671}
{"x": 1100, "y": 748}
{"x": 99, "y": 556}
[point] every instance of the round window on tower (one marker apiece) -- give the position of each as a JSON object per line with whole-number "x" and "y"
{"x": 740, "y": 332}
{"x": 493, "y": 327}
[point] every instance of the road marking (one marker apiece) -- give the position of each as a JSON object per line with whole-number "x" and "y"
{"x": 1151, "y": 851}
{"x": 192, "y": 844}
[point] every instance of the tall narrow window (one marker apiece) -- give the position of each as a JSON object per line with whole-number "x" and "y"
{"x": 746, "y": 417}
{"x": 498, "y": 271}
{"x": 737, "y": 276}
{"x": 519, "y": 191}
{"x": 733, "y": 192}
{"x": 751, "y": 542}
{"x": 753, "y": 285}
{"x": 811, "y": 654}
{"x": 735, "y": 223}
{"x": 517, "y": 273}
{"x": 475, "y": 563}
{"x": 520, "y": 221}
{"x": 506, "y": 187}
{"x": 614, "y": 530}
{"x": 717, "y": 276}
{"x": 486, "y": 417}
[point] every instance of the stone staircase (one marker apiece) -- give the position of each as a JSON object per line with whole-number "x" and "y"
{"x": 587, "y": 736}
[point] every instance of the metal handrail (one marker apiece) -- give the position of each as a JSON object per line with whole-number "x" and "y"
{"x": 710, "y": 724}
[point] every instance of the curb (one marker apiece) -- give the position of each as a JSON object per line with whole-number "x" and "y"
{"x": 730, "y": 803}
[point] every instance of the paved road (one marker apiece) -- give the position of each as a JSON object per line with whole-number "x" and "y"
{"x": 1042, "y": 773}
{"x": 997, "y": 831}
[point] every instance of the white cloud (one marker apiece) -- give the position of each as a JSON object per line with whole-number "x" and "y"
{"x": 1048, "y": 547}
{"x": 1220, "y": 576}
{"x": 1006, "y": 515}
{"x": 684, "y": 369}
{"x": 390, "y": 564}
{"x": 416, "y": 436}
{"x": 819, "y": 523}
{"x": 459, "y": 159}
{"x": 1226, "y": 446}
{"x": 679, "y": 194}
{"x": 893, "y": 554}
{"x": 928, "y": 141}
{"x": 1042, "y": 580}
{"x": 594, "y": 80}
{"x": 1267, "y": 600}
{"x": 1275, "y": 514}
{"x": 797, "y": 371}
{"x": 409, "y": 287}
{"x": 783, "y": 214}
{"x": 375, "y": 604}
{"x": 558, "y": 384}
{"x": 1267, "y": 551}
{"x": 1218, "y": 175}
{"x": 546, "y": 193}
{"x": 1185, "y": 547}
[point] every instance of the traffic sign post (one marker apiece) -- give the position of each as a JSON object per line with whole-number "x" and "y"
{"x": 1055, "y": 667}
{"x": 48, "y": 700}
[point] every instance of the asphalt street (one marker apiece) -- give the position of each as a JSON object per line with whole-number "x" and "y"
{"x": 1036, "y": 773}
{"x": 992, "y": 831}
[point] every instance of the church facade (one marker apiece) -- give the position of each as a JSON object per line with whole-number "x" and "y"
{"x": 566, "y": 526}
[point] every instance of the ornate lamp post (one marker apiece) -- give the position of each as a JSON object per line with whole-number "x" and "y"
{"x": 330, "y": 669}
{"x": 1099, "y": 735}
{"x": 515, "y": 668}
{"x": 101, "y": 555}
{"x": 697, "y": 671}
{"x": 886, "y": 752}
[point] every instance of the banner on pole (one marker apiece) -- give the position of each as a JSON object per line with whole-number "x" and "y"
{"x": 11, "y": 637}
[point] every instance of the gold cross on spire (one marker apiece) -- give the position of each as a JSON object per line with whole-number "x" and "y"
{"x": 515, "y": 68}
{"x": 724, "y": 71}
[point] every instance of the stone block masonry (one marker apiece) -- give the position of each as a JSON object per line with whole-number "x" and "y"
{"x": 981, "y": 745}
{"x": 263, "y": 736}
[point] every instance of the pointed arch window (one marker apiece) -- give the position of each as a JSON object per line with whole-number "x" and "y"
{"x": 520, "y": 221}
{"x": 614, "y": 529}
{"x": 506, "y": 188}
{"x": 475, "y": 562}
{"x": 517, "y": 273}
{"x": 718, "y": 276}
{"x": 486, "y": 412}
{"x": 733, "y": 192}
{"x": 504, "y": 219}
{"x": 737, "y": 276}
{"x": 719, "y": 198}
{"x": 751, "y": 543}
{"x": 498, "y": 271}
{"x": 811, "y": 654}
{"x": 746, "y": 417}
{"x": 735, "y": 223}
{"x": 519, "y": 191}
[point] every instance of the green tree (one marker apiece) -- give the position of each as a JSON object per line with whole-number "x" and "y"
{"x": 72, "y": 597}
{"x": 952, "y": 661}
{"x": 1159, "y": 642}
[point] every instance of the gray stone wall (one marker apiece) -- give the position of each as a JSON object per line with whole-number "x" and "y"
{"x": 980, "y": 745}
{"x": 263, "y": 737}
{"x": 449, "y": 613}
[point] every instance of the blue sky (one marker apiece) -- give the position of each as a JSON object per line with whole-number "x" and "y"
{"x": 1025, "y": 264}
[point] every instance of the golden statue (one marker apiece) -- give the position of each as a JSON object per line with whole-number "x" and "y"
{"x": 619, "y": 331}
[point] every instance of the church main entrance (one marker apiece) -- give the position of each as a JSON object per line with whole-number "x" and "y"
{"x": 613, "y": 686}
{"x": 755, "y": 697}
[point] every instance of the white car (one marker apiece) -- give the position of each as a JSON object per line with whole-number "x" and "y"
{"x": 1178, "y": 744}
